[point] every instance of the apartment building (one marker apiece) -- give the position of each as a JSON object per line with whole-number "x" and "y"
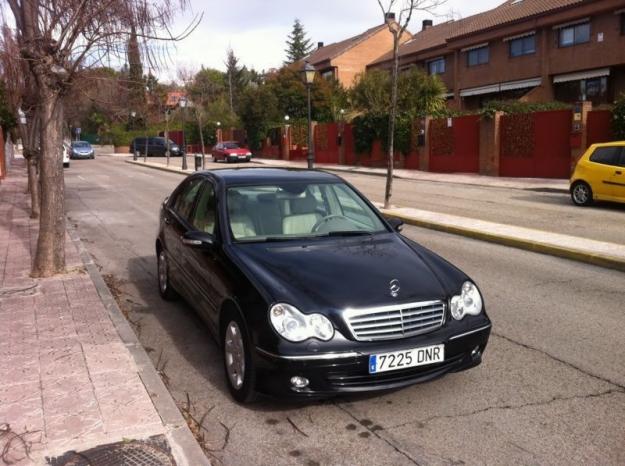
{"x": 533, "y": 50}
{"x": 344, "y": 60}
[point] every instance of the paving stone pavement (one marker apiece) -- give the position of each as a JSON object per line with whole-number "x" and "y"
{"x": 67, "y": 380}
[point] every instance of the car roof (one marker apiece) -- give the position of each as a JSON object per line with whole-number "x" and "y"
{"x": 610, "y": 144}
{"x": 80, "y": 142}
{"x": 258, "y": 175}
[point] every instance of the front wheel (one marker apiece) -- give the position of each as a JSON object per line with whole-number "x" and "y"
{"x": 238, "y": 364}
{"x": 581, "y": 193}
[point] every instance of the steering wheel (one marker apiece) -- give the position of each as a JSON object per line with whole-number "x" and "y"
{"x": 328, "y": 218}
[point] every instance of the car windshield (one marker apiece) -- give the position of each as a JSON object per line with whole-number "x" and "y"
{"x": 298, "y": 210}
{"x": 81, "y": 144}
{"x": 231, "y": 145}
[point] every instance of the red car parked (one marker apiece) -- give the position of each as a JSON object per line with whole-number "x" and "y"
{"x": 230, "y": 151}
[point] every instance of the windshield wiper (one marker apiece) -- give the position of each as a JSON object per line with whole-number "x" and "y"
{"x": 349, "y": 233}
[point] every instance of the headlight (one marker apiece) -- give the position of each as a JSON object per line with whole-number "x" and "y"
{"x": 469, "y": 301}
{"x": 249, "y": 154}
{"x": 294, "y": 326}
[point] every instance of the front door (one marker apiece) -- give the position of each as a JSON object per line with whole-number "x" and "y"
{"x": 618, "y": 178}
{"x": 176, "y": 219}
{"x": 605, "y": 167}
{"x": 204, "y": 262}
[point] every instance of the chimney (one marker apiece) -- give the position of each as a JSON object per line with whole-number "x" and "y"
{"x": 319, "y": 45}
{"x": 427, "y": 23}
{"x": 389, "y": 17}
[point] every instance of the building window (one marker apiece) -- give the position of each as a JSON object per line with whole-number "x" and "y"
{"x": 477, "y": 56}
{"x": 328, "y": 74}
{"x": 523, "y": 46}
{"x": 573, "y": 35}
{"x": 593, "y": 89}
{"x": 436, "y": 66}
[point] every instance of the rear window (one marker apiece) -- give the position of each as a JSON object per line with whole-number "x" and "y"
{"x": 607, "y": 155}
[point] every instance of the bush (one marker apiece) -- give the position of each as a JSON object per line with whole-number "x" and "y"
{"x": 515, "y": 106}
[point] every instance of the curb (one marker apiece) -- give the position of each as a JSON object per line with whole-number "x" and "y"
{"x": 184, "y": 447}
{"x": 533, "y": 246}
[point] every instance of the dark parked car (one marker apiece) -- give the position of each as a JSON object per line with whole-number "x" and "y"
{"x": 81, "y": 150}
{"x": 155, "y": 146}
{"x": 309, "y": 290}
{"x": 230, "y": 151}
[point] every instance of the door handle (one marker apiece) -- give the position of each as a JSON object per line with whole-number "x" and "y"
{"x": 191, "y": 242}
{"x": 167, "y": 220}
{"x": 618, "y": 172}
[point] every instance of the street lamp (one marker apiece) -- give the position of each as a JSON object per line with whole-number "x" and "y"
{"x": 218, "y": 132}
{"x": 135, "y": 152}
{"x": 341, "y": 133}
{"x": 183, "y": 104}
{"x": 308, "y": 76}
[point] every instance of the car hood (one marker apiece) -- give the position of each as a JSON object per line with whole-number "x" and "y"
{"x": 337, "y": 273}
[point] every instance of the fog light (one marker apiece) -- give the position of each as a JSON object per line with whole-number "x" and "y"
{"x": 474, "y": 353}
{"x": 299, "y": 382}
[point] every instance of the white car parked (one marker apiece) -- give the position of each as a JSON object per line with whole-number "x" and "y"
{"x": 67, "y": 148}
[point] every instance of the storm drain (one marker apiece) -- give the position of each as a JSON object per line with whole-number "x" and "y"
{"x": 152, "y": 452}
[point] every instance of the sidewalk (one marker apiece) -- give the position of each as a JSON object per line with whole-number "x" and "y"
{"x": 599, "y": 253}
{"x": 73, "y": 376}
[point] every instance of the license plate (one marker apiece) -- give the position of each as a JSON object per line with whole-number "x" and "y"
{"x": 242, "y": 156}
{"x": 406, "y": 358}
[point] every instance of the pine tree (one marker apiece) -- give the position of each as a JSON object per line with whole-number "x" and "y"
{"x": 136, "y": 82}
{"x": 298, "y": 45}
{"x": 234, "y": 77}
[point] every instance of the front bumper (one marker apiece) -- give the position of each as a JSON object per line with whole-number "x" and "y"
{"x": 335, "y": 373}
{"x": 76, "y": 156}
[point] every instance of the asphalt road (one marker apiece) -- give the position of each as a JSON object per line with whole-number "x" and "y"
{"x": 551, "y": 389}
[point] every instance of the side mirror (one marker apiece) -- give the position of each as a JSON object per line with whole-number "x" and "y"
{"x": 198, "y": 240}
{"x": 396, "y": 224}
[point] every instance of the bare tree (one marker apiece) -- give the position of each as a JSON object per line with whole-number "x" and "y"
{"x": 58, "y": 38}
{"x": 398, "y": 29}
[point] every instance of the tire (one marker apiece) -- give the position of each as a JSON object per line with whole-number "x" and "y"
{"x": 165, "y": 289}
{"x": 581, "y": 194}
{"x": 240, "y": 378}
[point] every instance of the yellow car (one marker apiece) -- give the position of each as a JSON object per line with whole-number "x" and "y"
{"x": 600, "y": 174}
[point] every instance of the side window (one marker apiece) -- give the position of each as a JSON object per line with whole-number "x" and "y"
{"x": 203, "y": 217}
{"x": 606, "y": 155}
{"x": 184, "y": 200}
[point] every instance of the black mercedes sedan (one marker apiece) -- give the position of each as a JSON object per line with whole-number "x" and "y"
{"x": 309, "y": 290}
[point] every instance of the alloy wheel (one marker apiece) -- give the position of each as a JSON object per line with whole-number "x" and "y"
{"x": 581, "y": 194}
{"x": 162, "y": 271}
{"x": 235, "y": 355}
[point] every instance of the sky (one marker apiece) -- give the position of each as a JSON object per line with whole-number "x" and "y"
{"x": 257, "y": 29}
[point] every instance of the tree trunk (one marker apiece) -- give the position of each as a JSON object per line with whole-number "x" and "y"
{"x": 50, "y": 254}
{"x": 28, "y": 134}
{"x": 391, "y": 123}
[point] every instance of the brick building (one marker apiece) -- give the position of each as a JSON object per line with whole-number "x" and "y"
{"x": 345, "y": 59}
{"x": 533, "y": 50}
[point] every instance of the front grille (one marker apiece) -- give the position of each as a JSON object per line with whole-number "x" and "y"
{"x": 397, "y": 321}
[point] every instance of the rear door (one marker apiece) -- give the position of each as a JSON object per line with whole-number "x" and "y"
{"x": 605, "y": 163}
